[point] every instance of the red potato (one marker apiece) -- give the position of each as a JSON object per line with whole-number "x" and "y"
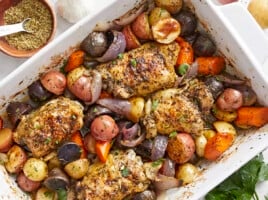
{"x": 132, "y": 41}
{"x": 26, "y": 184}
{"x": 141, "y": 27}
{"x": 6, "y": 139}
{"x": 89, "y": 143}
{"x": 16, "y": 159}
{"x": 79, "y": 83}
{"x": 230, "y": 100}
{"x": 181, "y": 148}
{"x": 54, "y": 81}
{"x": 104, "y": 128}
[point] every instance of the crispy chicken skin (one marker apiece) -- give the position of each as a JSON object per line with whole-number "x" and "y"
{"x": 47, "y": 127}
{"x": 169, "y": 110}
{"x": 122, "y": 174}
{"x": 198, "y": 92}
{"x": 141, "y": 71}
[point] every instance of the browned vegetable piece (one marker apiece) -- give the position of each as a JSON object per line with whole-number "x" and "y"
{"x": 181, "y": 148}
{"x": 230, "y": 100}
{"x": 187, "y": 21}
{"x": 141, "y": 27}
{"x": 26, "y": 184}
{"x": 16, "y": 159}
{"x": 172, "y": 6}
{"x": 251, "y": 116}
{"x": 132, "y": 41}
{"x": 166, "y": 30}
{"x": 54, "y": 81}
{"x": 204, "y": 46}
{"x": 6, "y": 139}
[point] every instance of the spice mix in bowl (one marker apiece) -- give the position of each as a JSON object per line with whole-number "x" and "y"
{"x": 41, "y": 26}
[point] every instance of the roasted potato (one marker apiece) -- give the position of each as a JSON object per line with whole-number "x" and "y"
{"x": 16, "y": 159}
{"x": 26, "y": 184}
{"x": 181, "y": 148}
{"x": 6, "y": 140}
{"x": 187, "y": 172}
{"x": 172, "y": 6}
{"x": 77, "y": 169}
{"x": 35, "y": 169}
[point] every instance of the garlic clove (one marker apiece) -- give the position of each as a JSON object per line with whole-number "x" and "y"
{"x": 73, "y": 10}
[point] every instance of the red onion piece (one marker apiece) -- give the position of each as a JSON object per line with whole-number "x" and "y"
{"x": 117, "y": 46}
{"x": 96, "y": 87}
{"x": 166, "y": 182}
{"x": 159, "y": 147}
{"x": 132, "y": 14}
{"x": 168, "y": 168}
{"x": 129, "y": 130}
{"x": 119, "y": 106}
{"x": 135, "y": 142}
{"x": 229, "y": 79}
{"x": 192, "y": 71}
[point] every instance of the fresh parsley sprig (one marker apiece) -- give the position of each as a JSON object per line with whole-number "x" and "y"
{"x": 241, "y": 185}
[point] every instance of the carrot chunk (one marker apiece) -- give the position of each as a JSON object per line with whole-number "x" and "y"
{"x": 217, "y": 144}
{"x": 210, "y": 65}
{"x": 75, "y": 60}
{"x": 252, "y": 116}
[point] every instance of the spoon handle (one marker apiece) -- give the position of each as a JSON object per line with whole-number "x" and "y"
{"x": 12, "y": 28}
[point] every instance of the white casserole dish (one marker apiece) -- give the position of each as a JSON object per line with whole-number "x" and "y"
{"x": 231, "y": 42}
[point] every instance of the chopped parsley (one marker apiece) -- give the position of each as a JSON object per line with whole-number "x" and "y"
{"x": 172, "y": 134}
{"x": 120, "y": 56}
{"x": 133, "y": 62}
{"x": 158, "y": 162}
{"x": 154, "y": 105}
{"x": 48, "y": 140}
{"x": 125, "y": 172}
{"x": 62, "y": 194}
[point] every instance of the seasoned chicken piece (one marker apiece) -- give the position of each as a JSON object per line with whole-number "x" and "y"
{"x": 169, "y": 110}
{"x": 141, "y": 71}
{"x": 43, "y": 129}
{"x": 198, "y": 92}
{"x": 122, "y": 174}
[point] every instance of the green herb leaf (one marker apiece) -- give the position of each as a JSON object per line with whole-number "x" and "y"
{"x": 154, "y": 105}
{"x": 263, "y": 173}
{"x": 48, "y": 140}
{"x": 158, "y": 162}
{"x": 120, "y": 56}
{"x": 182, "y": 69}
{"x": 241, "y": 185}
{"x": 125, "y": 172}
{"x": 62, "y": 194}
{"x": 133, "y": 62}
{"x": 172, "y": 134}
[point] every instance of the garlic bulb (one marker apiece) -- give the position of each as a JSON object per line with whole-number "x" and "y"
{"x": 73, "y": 10}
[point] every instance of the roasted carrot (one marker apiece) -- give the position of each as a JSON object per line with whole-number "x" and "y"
{"x": 76, "y": 137}
{"x": 251, "y": 116}
{"x": 210, "y": 65}
{"x": 75, "y": 60}
{"x": 218, "y": 144}
{"x": 102, "y": 150}
{"x": 186, "y": 54}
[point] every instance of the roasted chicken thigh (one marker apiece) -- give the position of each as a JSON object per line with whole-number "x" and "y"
{"x": 141, "y": 71}
{"x": 45, "y": 128}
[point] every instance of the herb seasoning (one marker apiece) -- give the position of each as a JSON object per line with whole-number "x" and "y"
{"x": 40, "y": 25}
